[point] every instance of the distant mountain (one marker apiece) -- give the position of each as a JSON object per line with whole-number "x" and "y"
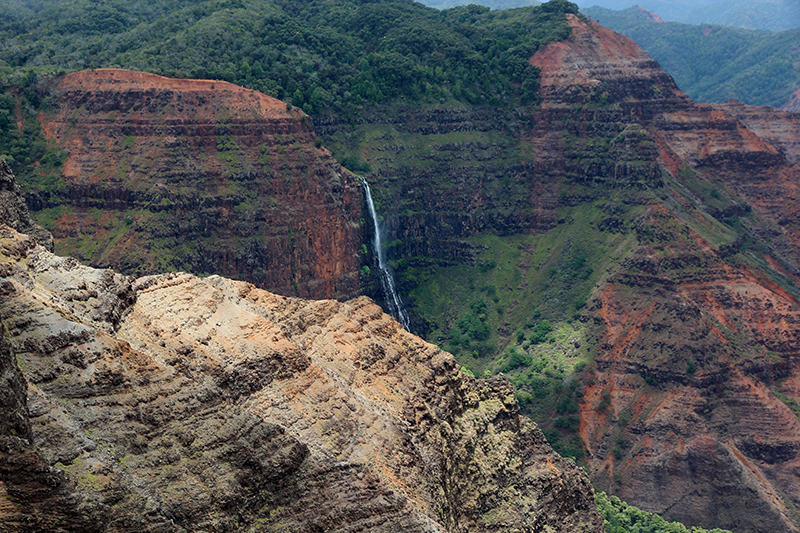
{"x": 714, "y": 63}
{"x": 773, "y": 15}
{"x": 493, "y": 4}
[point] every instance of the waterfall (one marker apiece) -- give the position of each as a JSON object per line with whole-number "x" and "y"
{"x": 384, "y": 274}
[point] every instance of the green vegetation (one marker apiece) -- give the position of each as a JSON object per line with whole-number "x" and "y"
{"x": 620, "y": 517}
{"x": 715, "y": 63}
{"x": 21, "y": 139}
{"x": 516, "y": 310}
{"x": 491, "y": 4}
{"x": 324, "y": 54}
{"x": 327, "y": 57}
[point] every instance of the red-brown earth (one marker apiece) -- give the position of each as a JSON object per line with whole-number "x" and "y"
{"x": 690, "y": 409}
{"x": 168, "y": 174}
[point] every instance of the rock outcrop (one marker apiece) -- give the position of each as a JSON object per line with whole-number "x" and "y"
{"x": 165, "y": 174}
{"x": 14, "y": 211}
{"x": 178, "y": 403}
{"x": 793, "y": 104}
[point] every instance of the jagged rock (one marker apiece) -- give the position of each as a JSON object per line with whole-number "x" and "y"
{"x": 13, "y": 210}
{"x": 205, "y": 404}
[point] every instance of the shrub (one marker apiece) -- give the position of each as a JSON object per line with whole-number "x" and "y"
{"x": 540, "y": 332}
{"x": 516, "y": 360}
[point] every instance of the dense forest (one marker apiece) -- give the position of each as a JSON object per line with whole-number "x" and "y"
{"x": 715, "y": 63}
{"x": 492, "y": 4}
{"x": 323, "y": 56}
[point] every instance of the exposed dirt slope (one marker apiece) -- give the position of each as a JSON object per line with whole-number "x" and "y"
{"x": 688, "y": 410}
{"x": 199, "y": 175}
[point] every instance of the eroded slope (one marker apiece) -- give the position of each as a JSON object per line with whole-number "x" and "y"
{"x": 687, "y": 409}
{"x": 162, "y": 174}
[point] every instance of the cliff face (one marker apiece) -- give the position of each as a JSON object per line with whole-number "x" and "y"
{"x": 166, "y": 174}
{"x": 177, "y": 403}
{"x": 793, "y": 104}
{"x": 13, "y": 210}
{"x": 656, "y": 236}
{"x": 690, "y": 408}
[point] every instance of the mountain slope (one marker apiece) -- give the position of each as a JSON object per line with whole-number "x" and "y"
{"x": 604, "y": 275}
{"x": 770, "y": 15}
{"x": 683, "y": 380}
{"x": 251, "y": 195}
{"x": 714, "y": 63}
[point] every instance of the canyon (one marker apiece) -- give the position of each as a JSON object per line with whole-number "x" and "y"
{"x": 177, "y": 403}
{"x": 656, "y": 237}
{"x": 686, "y": 320}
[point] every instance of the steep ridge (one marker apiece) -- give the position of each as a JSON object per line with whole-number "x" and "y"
{"x": 177, "y": 403}
{"x": 206, "y": 176}
{"x": 793, "y": 104}
{"x": 688, "y": 410}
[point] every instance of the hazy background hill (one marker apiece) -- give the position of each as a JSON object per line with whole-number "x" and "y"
{"x": 772, "y": 15}
{"x": 714, "y": 63}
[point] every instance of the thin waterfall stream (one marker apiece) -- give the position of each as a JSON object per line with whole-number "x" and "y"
{"x": 384, "y": 273}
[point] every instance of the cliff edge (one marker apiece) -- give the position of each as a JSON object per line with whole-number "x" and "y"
{"x": 178, "y": 403}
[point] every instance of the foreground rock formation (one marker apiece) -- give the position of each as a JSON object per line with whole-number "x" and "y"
{"x": 204, "y": 176}
{"x": 178, "y": 403}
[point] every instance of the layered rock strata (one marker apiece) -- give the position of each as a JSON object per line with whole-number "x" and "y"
{"x": 14, "y": 211}
{"x": 205, "y": 176}
{"x": 178, "y": 403}
{"x": 690, "y": 409}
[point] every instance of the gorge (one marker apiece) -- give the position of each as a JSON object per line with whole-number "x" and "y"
{"x": 623, "y": 256}
{"x": 178, "y": 403}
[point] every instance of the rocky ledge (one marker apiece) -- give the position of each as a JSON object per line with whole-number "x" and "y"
{"x": 179, "y": 403}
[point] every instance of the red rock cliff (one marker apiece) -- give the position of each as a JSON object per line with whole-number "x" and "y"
{"x": 198, "y": 175}
{"x": 690, "y": 410}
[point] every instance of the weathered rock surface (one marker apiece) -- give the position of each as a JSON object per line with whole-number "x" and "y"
{"x": 14, "y": 211}
{"x": 793, "y": 104}
{"x": 178, "y": 403}
{"x": 204, "y": 176}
